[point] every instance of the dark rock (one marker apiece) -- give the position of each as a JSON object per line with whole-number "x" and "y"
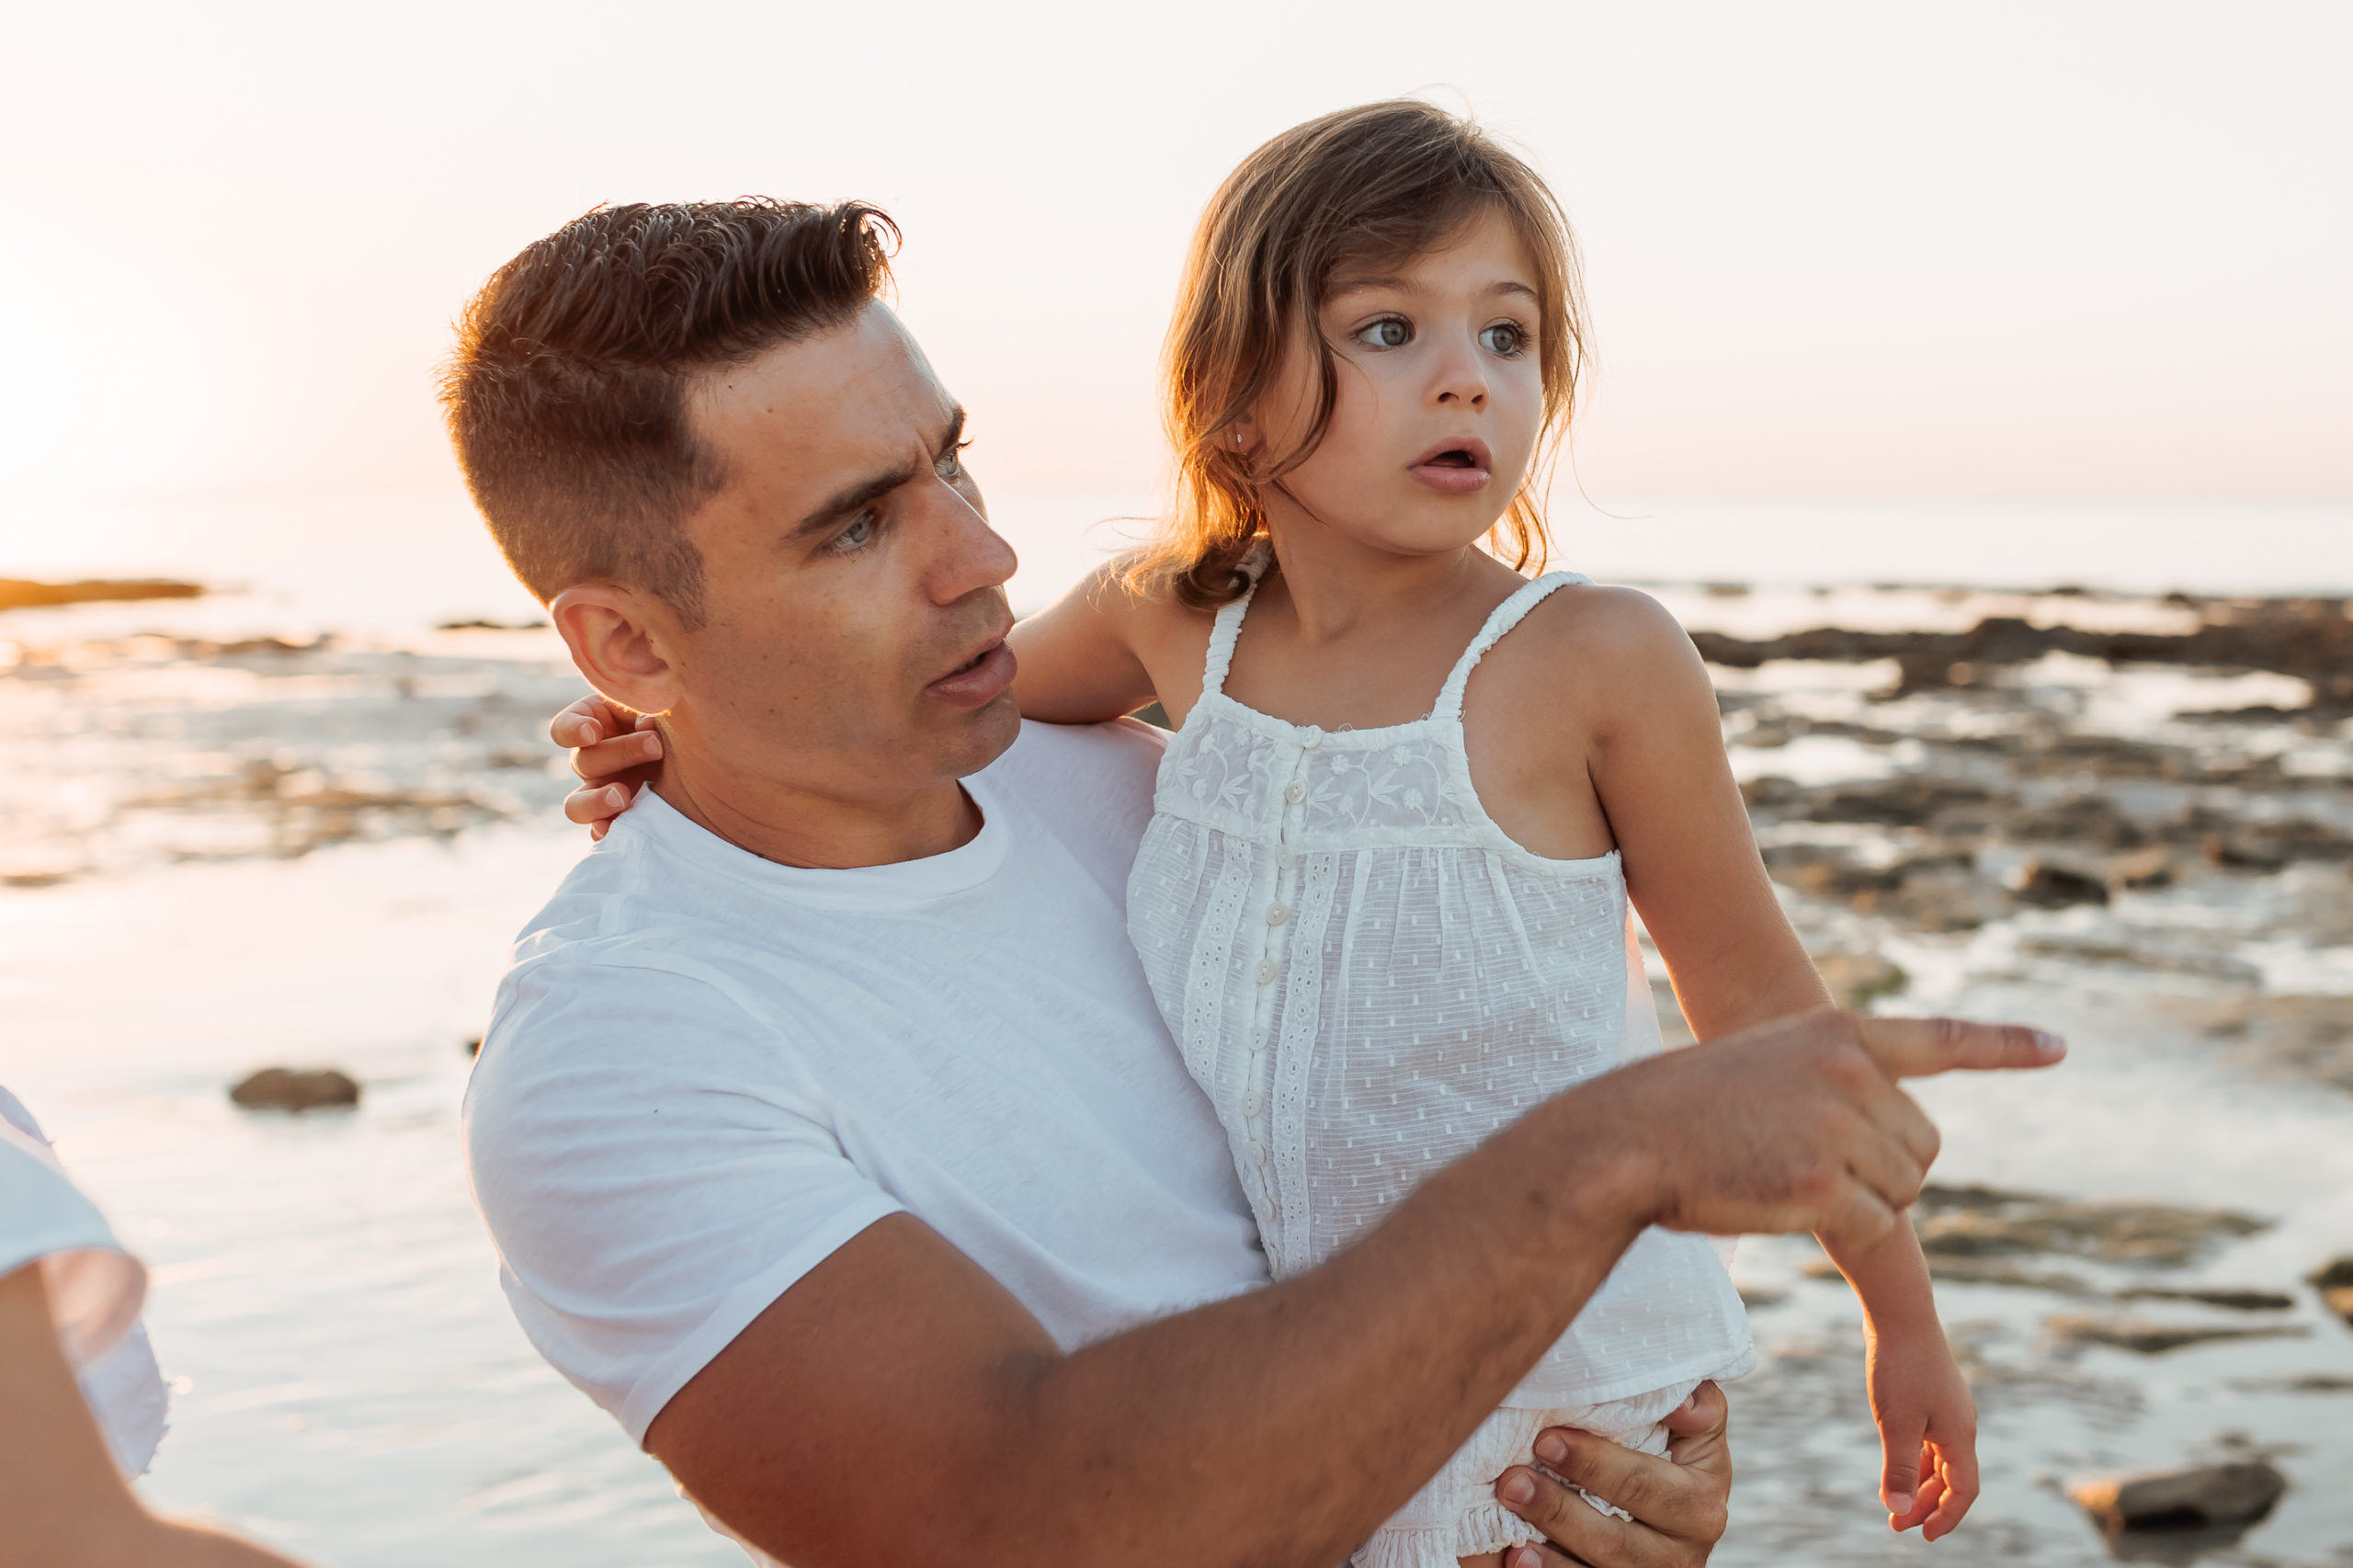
{"x": 2335, "y": 1283}
{"x": 2308, "y": 638}
{"x": 2046, "y": 886}
{"x": 287, "y": 1088}
{"x": 2232, "y": 1301}
{"x": 1906, "y": 799}
{"x": 2091, "y": 822}
{"x": 2215, "y": 1496}
{"x": 2156, "y": 1338}
{"x": 1937, "y": 892}
{"x": 473, "y": 1045}
{"x": 1857, "y": 980}
{"x": 2310, "y": 1037}
{"x": 1756, "y": 1298}
{"x": 17, "y": 594}
{"x": 1995, "y": 1271}
{"x": 1979, "y": 1223}
{"x": 2272, "y": 844}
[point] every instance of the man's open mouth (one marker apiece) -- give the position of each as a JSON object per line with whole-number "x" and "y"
{"x": 979, "y": 679}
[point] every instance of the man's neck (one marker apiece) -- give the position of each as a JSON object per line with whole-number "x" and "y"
{"x": 795, "y": 826}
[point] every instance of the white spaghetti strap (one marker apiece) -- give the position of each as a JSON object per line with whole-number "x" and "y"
{"x": 1228, "y": 627}
{"x": 1502, "y": 618}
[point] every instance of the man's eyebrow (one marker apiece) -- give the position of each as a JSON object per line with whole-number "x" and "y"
{"x": 842, "y": 503}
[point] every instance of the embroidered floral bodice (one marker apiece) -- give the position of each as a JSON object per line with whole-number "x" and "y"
{"x": 1370, "y": 977}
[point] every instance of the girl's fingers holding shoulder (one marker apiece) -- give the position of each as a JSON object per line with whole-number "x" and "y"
{"x": 598, "y": 805}
{"x": 581, "y": 723}
{"x": 603, "y": 759}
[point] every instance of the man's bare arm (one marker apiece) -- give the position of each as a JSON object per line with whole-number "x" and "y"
{"x": 898, "y": 1405}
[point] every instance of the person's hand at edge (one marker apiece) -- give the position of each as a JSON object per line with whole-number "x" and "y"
{"x": 614, "y": 751}
{"x": 1678, "y": 1504}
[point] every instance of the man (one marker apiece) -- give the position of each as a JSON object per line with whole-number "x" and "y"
{"x": 826, "y": 1128}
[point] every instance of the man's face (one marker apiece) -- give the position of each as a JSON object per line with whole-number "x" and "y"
{"x": 854, "y": 594}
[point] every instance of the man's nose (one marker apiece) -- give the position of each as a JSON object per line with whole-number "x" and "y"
{"x": 970, "y": 555}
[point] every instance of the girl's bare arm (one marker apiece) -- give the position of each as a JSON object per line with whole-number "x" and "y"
{"x": 1651, "y": 743}
{"x": 1655, "y": 756}
{"x": 1078, "y": 658}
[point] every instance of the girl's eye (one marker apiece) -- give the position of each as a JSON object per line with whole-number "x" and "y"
{"x": 857, "y": 536}
{"x": 1504, "y": 338}
{"x": 1389, "y": 332}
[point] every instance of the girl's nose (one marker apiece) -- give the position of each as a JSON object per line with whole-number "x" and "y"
{"x": 1461, "y": 381}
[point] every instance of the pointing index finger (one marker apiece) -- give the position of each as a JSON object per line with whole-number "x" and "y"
{"x": 1918, "y": 1048}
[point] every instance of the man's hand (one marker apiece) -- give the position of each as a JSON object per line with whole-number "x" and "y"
{"x": 1796, "y": 1125}
{"x": 614, "y": 751}
{"x": 1678, "y": 1502}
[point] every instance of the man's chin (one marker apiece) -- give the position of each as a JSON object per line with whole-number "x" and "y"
{"x": 988, "y": 732}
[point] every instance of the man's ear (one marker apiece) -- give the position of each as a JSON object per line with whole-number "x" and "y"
{"x": 624, "y": 641}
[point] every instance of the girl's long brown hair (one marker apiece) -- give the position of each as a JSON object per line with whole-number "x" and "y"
{"x": 1376, "y": 184}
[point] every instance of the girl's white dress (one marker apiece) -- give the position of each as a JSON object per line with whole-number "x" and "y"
{"x": 1368, "y": 978}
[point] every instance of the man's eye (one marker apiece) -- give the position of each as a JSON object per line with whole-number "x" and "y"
{"x": 951, "y": 465}
{"x": 857, "y": 535}
{"x": 1504, "y": 338}
{"x": 1389, "y": 332}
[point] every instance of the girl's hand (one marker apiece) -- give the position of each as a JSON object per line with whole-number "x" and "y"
{"x": 614, "y": 751}
{"x": 1928, "y": 1428}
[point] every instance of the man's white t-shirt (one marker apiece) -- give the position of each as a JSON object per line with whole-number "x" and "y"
{"x": 707, "y": 1071}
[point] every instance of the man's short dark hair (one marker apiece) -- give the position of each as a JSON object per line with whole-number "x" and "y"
{"x": 566, "y": 395}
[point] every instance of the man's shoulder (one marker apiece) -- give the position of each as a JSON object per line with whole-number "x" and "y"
{"x": 1091, "y": 782}
{"x": 1125, "y": 749}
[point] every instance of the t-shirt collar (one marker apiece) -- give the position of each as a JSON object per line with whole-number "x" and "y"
{"x": 899, "y": 885}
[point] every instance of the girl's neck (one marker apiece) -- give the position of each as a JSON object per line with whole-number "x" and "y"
{"x": 1337, "y": 586}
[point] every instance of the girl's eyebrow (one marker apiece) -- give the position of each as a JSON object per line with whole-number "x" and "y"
{"x": 1346, "y": 285}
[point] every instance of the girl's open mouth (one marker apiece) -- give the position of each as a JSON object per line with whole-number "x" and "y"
{"x": 1454, "y": 469}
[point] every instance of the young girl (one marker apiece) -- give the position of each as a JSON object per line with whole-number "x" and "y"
{"x": 1382, "y": 901}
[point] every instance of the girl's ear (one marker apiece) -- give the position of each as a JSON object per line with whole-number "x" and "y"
{"x": 1242, "y": 434}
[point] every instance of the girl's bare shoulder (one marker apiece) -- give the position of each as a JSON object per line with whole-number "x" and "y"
{"x": 1143, "y": 605}
{"x": 1599, "y": 649}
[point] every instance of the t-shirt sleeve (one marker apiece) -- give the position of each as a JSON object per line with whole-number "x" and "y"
{"x": 655, "y": 1171}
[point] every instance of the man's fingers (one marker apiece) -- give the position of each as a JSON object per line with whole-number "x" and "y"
{"x": 1541, "y": 1557}
{"x": 1703, "y": 1414}
{"x": 1917, "y": 1048}
{"x": 1579, "y": 1531}
{"x": 1857, "y": 1219}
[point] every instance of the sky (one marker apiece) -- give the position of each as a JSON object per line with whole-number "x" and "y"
{"x": 2052, "y": 251}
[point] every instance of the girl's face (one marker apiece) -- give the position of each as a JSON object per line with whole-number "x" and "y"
{"x": 1439, "y": 400}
